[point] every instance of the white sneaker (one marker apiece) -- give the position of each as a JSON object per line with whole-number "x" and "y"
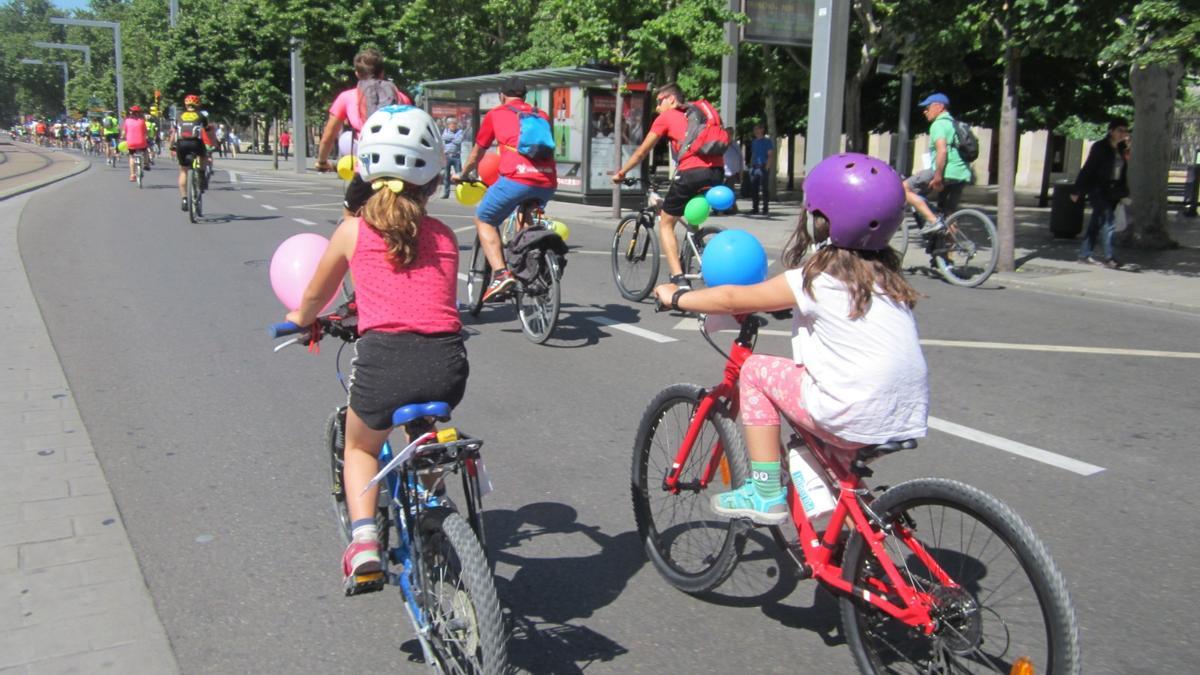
{"x": 936, "y": 226}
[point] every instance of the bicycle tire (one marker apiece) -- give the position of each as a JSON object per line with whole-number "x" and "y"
{"x": 458, "y": 596}
{"x": 479, "y": 275}
{"x": 697, "y": 554}
{"x": 538, "y": 311}
{"x": 139, "y": 174}
{"x": 968, "y": 251}
{"x": 335, "y": 444}
{"x": 969, "y": 629}
{"x": 899, "y": 241}
{"x": 192, "y": 196}
{"x": 634, "y": 253}
{"x": 689, "y": 263}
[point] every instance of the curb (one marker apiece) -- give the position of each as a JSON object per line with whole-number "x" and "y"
{"x": 80, "y": 167}
{"x": 1008, "y": 279}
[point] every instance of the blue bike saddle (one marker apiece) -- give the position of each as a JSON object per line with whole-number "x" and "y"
{"x": 414, "y": 411}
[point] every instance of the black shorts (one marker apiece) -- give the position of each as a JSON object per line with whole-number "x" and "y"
{"x": 688, "y": 184}
{"x": 391, "y": 370}
{"x": 187, "y": 148}
{"x": 357, "y": 194}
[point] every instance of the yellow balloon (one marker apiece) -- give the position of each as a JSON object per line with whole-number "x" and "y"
{"x": 560, "y": 228}
{"x": 469, "y": 194}
{"x": 346, "y": 166}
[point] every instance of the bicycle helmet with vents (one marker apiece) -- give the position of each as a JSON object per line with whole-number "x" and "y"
{"x": 400, "y": 141}
{"x": 860, "y": 196}
{"x": 191, "y": 99}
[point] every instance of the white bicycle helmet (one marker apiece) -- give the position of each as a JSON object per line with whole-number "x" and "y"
{"x": 400, "y": 141}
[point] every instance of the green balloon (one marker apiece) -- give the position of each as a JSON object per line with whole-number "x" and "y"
{"x": 696, "y": 211}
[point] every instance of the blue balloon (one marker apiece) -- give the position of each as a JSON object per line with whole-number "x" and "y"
{"x": 733, "y": 257}
{"x": 720, "y": 197}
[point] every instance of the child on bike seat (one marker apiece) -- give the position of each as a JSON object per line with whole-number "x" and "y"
{"x": 405, "y": 266}
{"x": 857, "y": 375}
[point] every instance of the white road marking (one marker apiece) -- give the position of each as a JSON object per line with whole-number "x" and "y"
{"x": 304, "y": 222}
{"x": 462, "y": 276}
{"x": 1015, "y": 447}
{"x": 318, "y": 206}
{"x": 269, "y": 207}
{"x": 694, "y": 325}
{"x": 1111, "y": 351}
{"x": 246, "y": 196}
{"x": 233, "y": 176}
{"x": 633, "y": 330}
{"x": 470, "y": 228}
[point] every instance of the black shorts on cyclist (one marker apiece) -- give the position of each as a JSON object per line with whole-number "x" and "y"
{"x": 688, "y": 184}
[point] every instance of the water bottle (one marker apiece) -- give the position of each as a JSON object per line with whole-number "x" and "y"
{"x": 810, "y": 484}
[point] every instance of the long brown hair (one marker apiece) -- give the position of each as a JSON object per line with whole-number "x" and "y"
{"x": 861, "y": 271}
{"x": 397, "y": 217}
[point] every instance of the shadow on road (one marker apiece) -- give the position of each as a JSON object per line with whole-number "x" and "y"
{"x": 546, "y": 594}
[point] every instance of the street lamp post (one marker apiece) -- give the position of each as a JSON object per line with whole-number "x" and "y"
{"x": 87, "y": 51}
{"x": 66, "y": 76}
{"x": 116, "y": 28}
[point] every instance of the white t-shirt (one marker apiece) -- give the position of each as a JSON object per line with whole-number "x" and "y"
{"x": 865, "y": 379}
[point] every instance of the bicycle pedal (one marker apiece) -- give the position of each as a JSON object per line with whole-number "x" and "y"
{"x": 357, "y": 584}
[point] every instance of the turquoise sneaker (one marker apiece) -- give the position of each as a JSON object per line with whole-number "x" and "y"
{"x": 745, "y": 502}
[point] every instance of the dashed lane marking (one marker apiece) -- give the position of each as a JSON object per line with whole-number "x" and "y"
{"x": 632, "y": 330}
{"x": 246, "y": 196}
{"x": 1015, "y": 447}
{"x": 269, "y": 207}
{"x": 302, "y": 221}
{"x": 1062, "y": 349}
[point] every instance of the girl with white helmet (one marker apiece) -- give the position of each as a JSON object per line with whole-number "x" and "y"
{"x": 405, "y": 265}
{"x": 856, "y": 375}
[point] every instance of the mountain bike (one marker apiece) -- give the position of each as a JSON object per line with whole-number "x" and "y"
{"x": 635, "y": 247}
{"x": 433, "y": 552}
{"x": 539, "y": 299}
{"x": 932, "y": 575}
{"x": 965, "y": 253}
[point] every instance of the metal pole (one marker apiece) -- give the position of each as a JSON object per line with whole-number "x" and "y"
{"x": 120, "y": 80}
{"x": 299, "y": 125}
{"x": 729, "y": 70}
{"x": 903, "y": 161}
{"x": 173, "y": 8}
{"x": 87, "y": 51}
{"x": 618, "y": 145}
{"x": 827, "y": 81}
{"x": 66, "y": 105}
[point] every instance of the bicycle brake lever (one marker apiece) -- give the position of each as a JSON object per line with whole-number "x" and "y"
{"x": 286, "y": 343}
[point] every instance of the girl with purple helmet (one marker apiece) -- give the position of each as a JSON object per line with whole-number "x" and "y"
{"x": 856, "y": 375}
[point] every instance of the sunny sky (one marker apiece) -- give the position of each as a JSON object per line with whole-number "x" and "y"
{"x": 71, "y": 4}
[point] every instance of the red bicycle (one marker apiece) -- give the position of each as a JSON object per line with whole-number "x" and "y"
{"x": 932, "y": 575}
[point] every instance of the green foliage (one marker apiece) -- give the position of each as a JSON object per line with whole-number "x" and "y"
{"x": 1156, "y": 32}
{"x": 29, "y": 89}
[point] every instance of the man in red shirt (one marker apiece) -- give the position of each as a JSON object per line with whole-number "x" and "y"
{"x": 693, "y": 173}
{"x": 521, "y": 178}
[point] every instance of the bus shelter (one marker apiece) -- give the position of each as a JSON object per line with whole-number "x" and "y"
{"x": 581, "y": 102}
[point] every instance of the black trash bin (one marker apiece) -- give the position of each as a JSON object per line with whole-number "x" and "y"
{"x": 1066, "y": 216}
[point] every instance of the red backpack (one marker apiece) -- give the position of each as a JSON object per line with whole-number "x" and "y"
{"x": 705, "y": 135}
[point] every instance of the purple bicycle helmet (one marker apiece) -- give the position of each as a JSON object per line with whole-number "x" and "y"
{"x": 860, "y": 196}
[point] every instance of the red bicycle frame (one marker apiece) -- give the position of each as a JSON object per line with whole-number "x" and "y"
{"x": 892, "y": 594}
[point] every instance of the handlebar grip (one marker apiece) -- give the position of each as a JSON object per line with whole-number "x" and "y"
{"x": 283, "y": 328}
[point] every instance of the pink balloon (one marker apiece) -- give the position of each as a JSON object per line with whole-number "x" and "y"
{"x": 293, "y": 266}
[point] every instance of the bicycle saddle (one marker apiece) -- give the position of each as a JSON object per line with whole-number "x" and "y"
{"x": 414, "y": 411}
{"x": 869, "y": 452}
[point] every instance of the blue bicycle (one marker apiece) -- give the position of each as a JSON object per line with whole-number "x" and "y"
{"x": 433, "y": 553}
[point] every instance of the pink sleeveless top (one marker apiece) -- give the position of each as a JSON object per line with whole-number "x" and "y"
{"x": 418, "y": 298}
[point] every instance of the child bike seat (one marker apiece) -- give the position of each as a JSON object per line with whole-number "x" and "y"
{"x": 414, "y": 411}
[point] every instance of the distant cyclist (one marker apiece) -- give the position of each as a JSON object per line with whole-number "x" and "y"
{"x": 187, "y": 138}
{"x": 521, "y": 178}
{"x": 112, "y": 133}
{"x": 133, "y": 129}
{"x": 947, "y": 174}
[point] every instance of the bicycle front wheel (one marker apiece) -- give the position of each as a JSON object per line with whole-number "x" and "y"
{"x": 635, "y": 258}
{"x": 690, "y": 254}
{"x": 692, "y": 548}
{"x": 538, "y": 303}
{"x": 967, "y": 254}
{"x": 479, "y": 275}
{"x": 1006, "y": 609}
{"x": 458, "y": 597}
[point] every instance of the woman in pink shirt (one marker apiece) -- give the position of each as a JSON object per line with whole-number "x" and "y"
{"x": 405, "y": 267}
{"x": 133, "y": 130}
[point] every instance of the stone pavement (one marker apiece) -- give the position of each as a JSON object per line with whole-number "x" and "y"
{"x": 72, "y": 596}
{"x": 1166, "y": 279}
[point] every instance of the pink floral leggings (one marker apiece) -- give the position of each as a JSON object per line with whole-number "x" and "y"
{"x": 771, "y": 385}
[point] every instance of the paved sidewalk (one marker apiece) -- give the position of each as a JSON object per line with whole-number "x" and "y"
{"x": 72, "y": 597}
{"x": 1166, "y": 279}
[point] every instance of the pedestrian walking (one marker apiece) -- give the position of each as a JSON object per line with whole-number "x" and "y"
{"x": 1103, "y": 181}
{"x": 285, "y": 142}
{"x": 762, "y": 164}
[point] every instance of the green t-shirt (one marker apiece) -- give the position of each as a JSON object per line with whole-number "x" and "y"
{"x": 943, "y": 127}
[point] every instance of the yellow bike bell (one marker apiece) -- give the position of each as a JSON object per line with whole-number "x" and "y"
{"x": 346, "y": 166}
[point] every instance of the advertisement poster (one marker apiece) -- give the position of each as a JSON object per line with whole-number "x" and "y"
{"x": 602, "y": 127}
{"x": 463, "y": 112}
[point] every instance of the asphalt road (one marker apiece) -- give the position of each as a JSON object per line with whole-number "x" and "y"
{"x": 212, "y": 444}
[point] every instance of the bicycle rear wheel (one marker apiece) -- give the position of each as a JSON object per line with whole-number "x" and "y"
{"x": 193, "y": 195}
{"x": 1006, "y": 609}
{"x": 479, "y": 275}
{"x": 458, "y": 597}
{"x": 635, "y": 258}
{"x": 690, "y": 260}
{"x": 138, "y": 167}
{"x": 967, "y": 252}
{"x": 538, "y": 304}
{"x": 692, "y": 548}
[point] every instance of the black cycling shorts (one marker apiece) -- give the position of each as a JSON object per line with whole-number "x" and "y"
{"x": 357, "y": 194}
{"x": 187, "y": 148}
{"x": 392, "y": 370}
{"x": 688, "y": 184}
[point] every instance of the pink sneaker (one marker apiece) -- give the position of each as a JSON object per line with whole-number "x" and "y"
{"x": 362, "y": 568}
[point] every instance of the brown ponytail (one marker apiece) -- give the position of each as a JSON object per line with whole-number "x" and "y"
{"x": 397, "y": 216}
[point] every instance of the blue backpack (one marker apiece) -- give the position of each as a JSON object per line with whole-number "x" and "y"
{"x": 535, "y": 140}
